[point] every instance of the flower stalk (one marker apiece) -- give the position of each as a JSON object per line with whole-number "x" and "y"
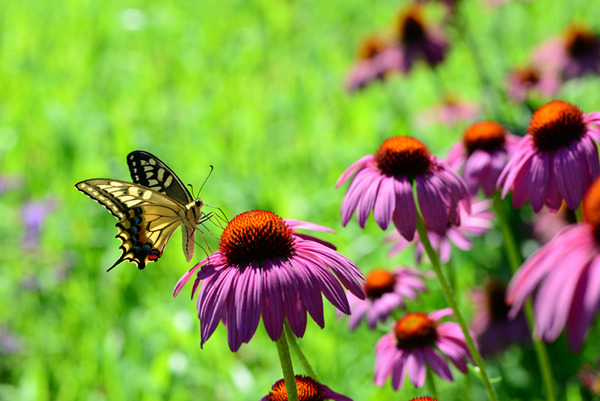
{"x": 515, "y": 261}
{"x": 293, "y": 343}
{"x": 433, "y": 258}
{"x": 286, "y": 366}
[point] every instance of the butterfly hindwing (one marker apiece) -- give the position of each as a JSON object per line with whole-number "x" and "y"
{"x": 147, "y": 218}
{"x": 149, "y": 171}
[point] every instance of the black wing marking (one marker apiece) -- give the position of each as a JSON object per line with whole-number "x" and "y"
{"x": 149, "y": 171}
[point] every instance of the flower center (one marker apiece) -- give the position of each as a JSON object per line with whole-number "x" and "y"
{"x": 555, "y": 125}
{"x": 411, "y": 28}
{"x": 371, "y": 47}
{"x": 379, "y": 282}
{"x": 527, "y": 75}
{"x": 497, "y": 307}
{"x": 580, "y": 41}
{"x": 308, "y": 390}
{"x": 415, "y": 330}
{"x": 591, "y": 208}
{"x": 484, "y": 135}
{"x": 426, "y": 398}
{"x": 256, "y": 235}
{"x": 403, "y": 155}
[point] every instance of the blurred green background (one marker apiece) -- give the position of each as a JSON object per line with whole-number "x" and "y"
{"x": 254, "y": 88}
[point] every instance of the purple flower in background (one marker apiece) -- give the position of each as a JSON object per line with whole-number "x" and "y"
{"x": 534, "y": 80}
{"x": 264, "y": 267}
{"x": 557, "y": 160}
{"x": 493, "y": 329}
{"x": 547, "y": 224}
{"x": 572, "y": 55}
{"x": 590, "y": 377}
{"x": 10, "y": 342}
{"x": 473, "y": 224}
{"x": 386, "y": 291}
{"x": 415, "y": 41}
{"x": 384, "y": 183}
{"x": 417, "y": 342}
{"x": 368, "y": 67}
{"x": 33, "y": 216}
{"x": 450, "y": 112}
{"x": 563, "y": 276}
{"x": 308, "y": 390}
{"x": 482, "y": 154}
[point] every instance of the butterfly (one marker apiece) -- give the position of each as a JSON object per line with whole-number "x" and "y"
{"x": 149, "y": 210}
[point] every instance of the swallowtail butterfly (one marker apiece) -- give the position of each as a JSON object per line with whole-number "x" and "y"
{"x": 149, "y": 210}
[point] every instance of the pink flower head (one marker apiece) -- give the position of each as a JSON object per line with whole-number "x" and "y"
{"x": 384, "y": 183}
{"x": 532, "y": 80}
{"x": 482, "y": 154}
{"x": 450, "y": 112}
{"x": 264, "y": 267}
{"x": 419, "y": 341}
{"x": 563, "y": 276}
{"x": 473, "y": 224}
{"x": 493, "y": 329}
{"x": 368, "y": 67}
{"x": 573, "y": 54}
{"x": 308, "y": 390}
{"x": 386, "y": 291}
{"x": 557, "y": 160}
{"x": 414, "y": 41}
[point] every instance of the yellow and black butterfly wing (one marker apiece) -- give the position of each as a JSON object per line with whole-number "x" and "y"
{"x": 149, "y": 171}
{"x": 147, "y": 218}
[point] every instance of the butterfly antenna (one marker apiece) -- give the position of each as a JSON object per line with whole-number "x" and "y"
{"x": 206, "y": 179}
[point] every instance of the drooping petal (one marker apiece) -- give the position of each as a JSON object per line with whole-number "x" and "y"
{"x": 405, "y": 214}
{"x": 385, "y": 202}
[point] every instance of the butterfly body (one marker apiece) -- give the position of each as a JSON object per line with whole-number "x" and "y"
{"x": 149, "y": 210}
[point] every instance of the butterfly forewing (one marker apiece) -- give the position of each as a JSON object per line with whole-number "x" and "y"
{"x": 147, "y": 218}
{"x": 149, "y": 171}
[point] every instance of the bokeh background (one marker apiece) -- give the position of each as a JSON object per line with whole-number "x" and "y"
{"x": 256, "y": 89}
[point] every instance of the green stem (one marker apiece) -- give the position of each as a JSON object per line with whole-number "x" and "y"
{"x": 451, "y": 274}
{"x": 516, "y": 260}
{"x": 514, "y": 256}
{"x": 431, "y": 384}
{"x": 435, "y": 263}
{"x": 287, "y": 367}
{"x": 299, "y": 353}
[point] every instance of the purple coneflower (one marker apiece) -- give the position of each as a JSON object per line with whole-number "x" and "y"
{"x": 450, "y": 112}
{"x": 557, "y": 160}
{"x": 415, "y": 41}
{"x": 308, "y": 390}
{"x": 368, "y": 67}
{"x": 473, "y": 224}
{"x": 384, "y": 183}
{"x": 589, "y": 376}
{"x": 572, "y": 55}
{"x": 482, "y": 154}
{"x": 493, "y": 329}
{"x": 531, "y": 80}
{"x": 264, "y": 267}
{"x": 566, "y": 273}
{"x": 386, "y": 291}
{"x": 419, "y": 341}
